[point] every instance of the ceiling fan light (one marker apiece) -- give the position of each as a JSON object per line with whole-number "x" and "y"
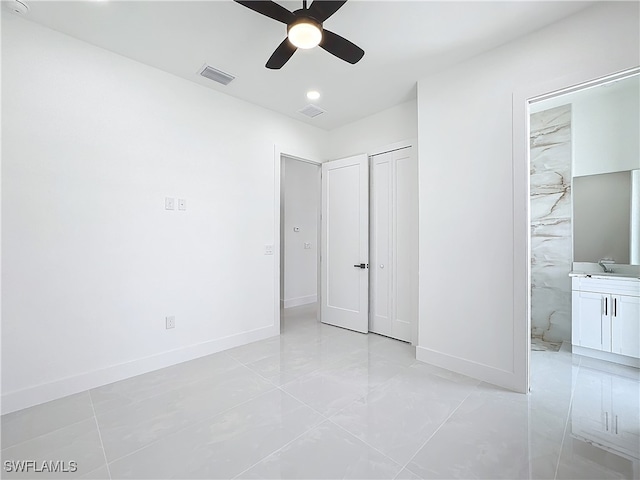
{"x": 305, "y": 34}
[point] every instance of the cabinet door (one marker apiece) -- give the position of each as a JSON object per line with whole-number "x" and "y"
{"x": 625, "y": 326}
{"x": 588, "y": 313}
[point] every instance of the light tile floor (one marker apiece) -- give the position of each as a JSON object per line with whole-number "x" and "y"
{"x": 323, "y": 402}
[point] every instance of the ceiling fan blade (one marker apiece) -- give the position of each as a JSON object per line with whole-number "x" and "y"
{"x": 341, "y": 47}
{"x": 323, "y": 9}
{"x": 269, "y": 9}
{"x": 281, "y": 55}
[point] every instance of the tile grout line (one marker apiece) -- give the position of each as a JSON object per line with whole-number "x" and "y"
{"x": 372, "y": 389}
{"x": 566, "y": 422}
{"x": 281, "y": 448}
{"x": 55, "y": 429}
{"x": 191, "y": 424}
{"x": 369, "y": 445}
{"x": 160, "y": 393}
{"x": 95, "y": 418}
{"x": 46, "y": 433}
{"x": 439, "y": 427}
{"x": 305, "y": 404}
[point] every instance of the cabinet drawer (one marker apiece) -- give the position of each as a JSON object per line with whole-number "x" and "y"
{"x": 613, "y": 286}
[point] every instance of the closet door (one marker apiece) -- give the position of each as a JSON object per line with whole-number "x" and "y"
{"x": 380, "y": 246}
{"x": 394, "y": 244}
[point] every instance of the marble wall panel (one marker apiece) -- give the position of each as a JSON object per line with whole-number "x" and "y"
{"x": 551, "y": 243}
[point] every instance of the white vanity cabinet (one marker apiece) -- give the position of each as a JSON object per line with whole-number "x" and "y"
{"x": 625, "y": 325}
{"x": 606, "y": 318}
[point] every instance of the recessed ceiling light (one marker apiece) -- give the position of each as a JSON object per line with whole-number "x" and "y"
{"x": 19, "y": 7}
{"x": 313, "y": 95}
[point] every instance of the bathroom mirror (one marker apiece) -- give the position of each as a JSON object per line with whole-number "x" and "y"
{"x": 606, "y": 210}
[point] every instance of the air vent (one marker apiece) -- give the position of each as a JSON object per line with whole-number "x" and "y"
{"x": 216, "y": 75}
{"x": 311, "y": 111}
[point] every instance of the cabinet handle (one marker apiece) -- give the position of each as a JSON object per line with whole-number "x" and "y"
{"x": 606, "y": 301}
{"x": 615, "y": 306}
{"x": 616, "y": 424}
{"x": 606, "y": 421}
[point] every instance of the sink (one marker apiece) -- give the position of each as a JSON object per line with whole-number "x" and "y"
{"x": 583, "y": 269}
{"x": 574, "y": 273}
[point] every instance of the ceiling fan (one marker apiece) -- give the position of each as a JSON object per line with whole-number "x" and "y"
{"x": 304, "y": 30}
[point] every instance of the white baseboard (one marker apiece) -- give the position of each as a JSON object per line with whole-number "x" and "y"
{"x": 486, "y": 373}
{"x": 296, "y": 302}
{"x": 607, "y": 356}
{"x": 29, "y": 397}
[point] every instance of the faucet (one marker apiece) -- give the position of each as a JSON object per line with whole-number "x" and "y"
{"x": 603, "y": 262}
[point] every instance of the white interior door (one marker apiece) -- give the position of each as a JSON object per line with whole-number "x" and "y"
{"x": 345, "y": 243}
{"x": 394, "y": 219}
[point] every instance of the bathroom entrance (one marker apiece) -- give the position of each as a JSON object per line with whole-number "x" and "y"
{"x": 583, "y": 152}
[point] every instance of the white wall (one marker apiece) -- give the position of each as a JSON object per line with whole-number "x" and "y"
{"x": 472, "y": 301}
{"x": 606, "y": 130}
{"x": 375, "y": 131}
{"x": 92, "y": 144}
{"x": 301, "y": 210}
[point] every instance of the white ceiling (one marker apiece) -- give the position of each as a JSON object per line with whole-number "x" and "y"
{"x": 403, "y": 42}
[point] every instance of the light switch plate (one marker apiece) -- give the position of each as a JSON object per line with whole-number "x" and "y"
{"x": 169, "y": 203}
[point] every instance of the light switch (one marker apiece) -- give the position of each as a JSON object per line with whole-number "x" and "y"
{"x": 169, "y": 203}
{"x": 268, "y": 249}
{"x": 182, "y": 204}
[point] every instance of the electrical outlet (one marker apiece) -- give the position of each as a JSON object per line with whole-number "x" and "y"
{"x": 268, "y": 249}
{"x": 171, "y": 322}
{"x": 182, "y": 204}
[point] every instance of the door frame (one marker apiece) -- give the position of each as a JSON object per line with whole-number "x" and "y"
{"x": 521, "y": 99}
{"x": 278, "y": 153}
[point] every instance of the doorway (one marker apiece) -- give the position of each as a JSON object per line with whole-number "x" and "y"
{"x": 299, "y": 232}
{"x": 578, "y": 139}
{"x": 530, "y": 99}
